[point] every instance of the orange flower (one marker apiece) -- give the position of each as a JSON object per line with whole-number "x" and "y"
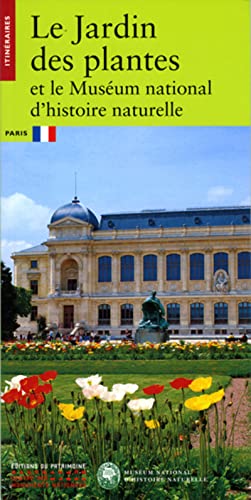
{"x": 29, "y": 384}
{"x": 31, "y": 401}
{"x": 180, "y": 383}
{"x": 49, "y": 375}
{"x": 45, "y": 389}
{"x": 153, "y": 389}
{"x": 10, "y": 396}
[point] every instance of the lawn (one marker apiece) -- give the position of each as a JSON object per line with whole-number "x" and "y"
{"x": 81, "y": 368}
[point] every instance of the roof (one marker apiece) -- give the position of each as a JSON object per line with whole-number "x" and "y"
{"x": 150, "y": 219}
{"x": 32, "y": 250}
{"x": 76, "y": 211}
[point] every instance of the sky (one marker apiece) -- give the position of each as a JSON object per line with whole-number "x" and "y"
{"x": 120, "y": 169}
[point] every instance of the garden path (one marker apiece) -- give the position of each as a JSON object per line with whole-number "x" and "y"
{"x": 242, "y": 434}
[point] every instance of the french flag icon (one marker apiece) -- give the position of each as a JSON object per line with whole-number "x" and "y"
{"x": 44, "y": 134}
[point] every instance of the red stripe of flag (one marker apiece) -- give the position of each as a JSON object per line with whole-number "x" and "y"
{"x": 8, "y": 40}
{"x": 52, "y": 134}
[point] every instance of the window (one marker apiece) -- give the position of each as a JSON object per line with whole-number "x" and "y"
{"x": 104, "y": 314}
{"x": 34, "y": 286}
{"x": 173, "y": 314}
{"x": 104, "y": 269}
{"x": 72, "y": 284}
{"x": 220, "y": 313}
{"x": 196, "y": 313}
{"x": 197, "y": 266}
{"x": 244, "y": 265}
{"x": 221, "y": 261}
{"x": 244, "y": 312}
{"x": 127, "y": 268}
{"x": 126, "y": 314}
{"x": 150, "y": 268}
{"x": 173, "y": 267}
{"x": 34, "y": 313}
{"x": 33, "y": 264}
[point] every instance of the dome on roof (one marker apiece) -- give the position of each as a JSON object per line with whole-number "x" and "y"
{"x": 76, "y": 211}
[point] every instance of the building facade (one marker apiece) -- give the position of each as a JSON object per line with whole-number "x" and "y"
{"x": 198, "y": 261}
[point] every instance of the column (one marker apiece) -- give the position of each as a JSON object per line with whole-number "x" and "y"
{"x": 137, "y": 271}
{"x": 232, "y": 267}
{"x": 115, "y": 315}
{"x": 137, "y": 313}
{"x": 208, "y": 268}
{"x": 115, "y": 271}
{"x": 184, "y": 269}
{"x": 91, "y": 271}
{"x": 84, "y": 273}
{"x": 208, "y": 315}
{"x": 232, "y": 314}
{"x": 161, "y": 272}
{"x": 184, "y": 316}
{"x": 52, "y": 274}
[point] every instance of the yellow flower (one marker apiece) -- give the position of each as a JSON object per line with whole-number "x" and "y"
{"x": 63, "y": 406}
{"x": 199, "y": 403}
{"x": 67, "y": 411}
{"x": 152, "y": 424}
{"x": 200, "y": 384}
{"x": 216, "y": 396}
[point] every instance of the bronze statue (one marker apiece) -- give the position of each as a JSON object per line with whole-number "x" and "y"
{"x": 153, "y": 314}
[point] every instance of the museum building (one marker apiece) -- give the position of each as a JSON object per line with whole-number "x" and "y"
{"x": 198, "y": 260}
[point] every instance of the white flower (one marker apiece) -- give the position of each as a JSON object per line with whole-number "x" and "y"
{"x": 137, "y": 405}
{"x": 112, "y": 396}
{"x": 94, "y": 391}
{"x": 14, "y": 383}
{"x": 88, "y": 381}
{"x": 128, "y": 388}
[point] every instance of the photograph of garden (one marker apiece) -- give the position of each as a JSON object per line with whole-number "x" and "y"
{"x": 126, "y": 338}
{"x": 174, "y": 429}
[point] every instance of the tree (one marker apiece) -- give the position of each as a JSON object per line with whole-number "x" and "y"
{"x": 16, "y": 301}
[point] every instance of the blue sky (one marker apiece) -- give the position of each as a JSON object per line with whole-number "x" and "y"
{"x": 120, "y": 169}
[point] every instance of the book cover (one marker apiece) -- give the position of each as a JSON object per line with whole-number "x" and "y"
{"x": 126, "y": 311}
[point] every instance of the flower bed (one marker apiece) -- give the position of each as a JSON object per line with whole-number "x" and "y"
{"x": 124, "y": 350}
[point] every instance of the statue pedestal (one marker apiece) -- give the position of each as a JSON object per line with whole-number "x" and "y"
{"x": 150, "y": 335}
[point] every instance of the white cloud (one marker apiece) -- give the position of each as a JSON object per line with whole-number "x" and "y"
{"x": 8, "y": 247}
{"x": 21, "y": 212}
{"x": 219, "y": 193}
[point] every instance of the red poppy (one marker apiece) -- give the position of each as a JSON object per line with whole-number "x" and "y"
{"x": 31, "y": 401}
{"x": 29, "y": 384}
{"x": 153, "y": 389}
{"x": 45, "y": 389}
{"x": 180, "y": 383}
{"x": 10, "y": 396}
{"x": 49, "y": 375}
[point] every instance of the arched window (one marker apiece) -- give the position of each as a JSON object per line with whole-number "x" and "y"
{"x": 220, "y": 313}
{"x": 150, "y": 268}
{"x": 173, "y": 313}
{"x": 197, "y": 266}
{"x": 127, "y": 268}
{"x": 196, "y": 313}
{"x": 244, "y": 313}
{"x": 126, "y": 314}
{"x": 69, "y": 275}
{"x": 104, "y": 269}
{"x": 173, "y": 267}
{"x": 104, "y": 314}
{"x": 221, "y": 261}
{"x": 244, "y": 265}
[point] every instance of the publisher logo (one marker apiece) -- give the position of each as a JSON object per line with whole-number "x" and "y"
{"x": 108, "y": 476}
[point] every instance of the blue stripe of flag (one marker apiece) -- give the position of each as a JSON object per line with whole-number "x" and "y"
{"x": 36, "y": 134}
